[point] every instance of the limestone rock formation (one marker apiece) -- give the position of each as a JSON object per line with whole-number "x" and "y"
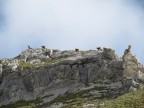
{"x": 131, "y": 64}
{"x": 47, "y": 74}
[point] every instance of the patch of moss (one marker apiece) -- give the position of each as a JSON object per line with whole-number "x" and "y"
{"x": 25, "y": 65}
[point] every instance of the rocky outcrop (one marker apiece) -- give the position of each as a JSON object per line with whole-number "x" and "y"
{"x": 133, "y": 70}
{"x": 52, "y": 74}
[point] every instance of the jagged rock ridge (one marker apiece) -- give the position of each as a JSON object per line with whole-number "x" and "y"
{"x": 46, "y": 74}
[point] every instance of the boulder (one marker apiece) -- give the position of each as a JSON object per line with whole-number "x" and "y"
{"x": 109, "y": 54}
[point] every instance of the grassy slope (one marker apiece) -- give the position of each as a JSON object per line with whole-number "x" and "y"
{"x": 129, "y": 100}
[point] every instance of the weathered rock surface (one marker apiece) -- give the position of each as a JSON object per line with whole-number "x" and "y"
{"x": 54, "y": 73}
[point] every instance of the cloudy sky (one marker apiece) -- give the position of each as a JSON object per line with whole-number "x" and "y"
{"x": 69, "y": 24}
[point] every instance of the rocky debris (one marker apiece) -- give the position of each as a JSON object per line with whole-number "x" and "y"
{"x": 32, "y": 54}
{"x": 53, "y": 73}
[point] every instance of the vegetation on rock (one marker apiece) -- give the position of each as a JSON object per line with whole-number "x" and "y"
{"x": 27, "y": 65}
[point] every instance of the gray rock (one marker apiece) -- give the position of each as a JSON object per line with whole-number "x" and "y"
{"x": 131, "y": 66}
{"x": 76, "y": 70}
{"x": 1, "y": 69}
{"x": 36, "y": 61}
{"x": 109, "y": 54}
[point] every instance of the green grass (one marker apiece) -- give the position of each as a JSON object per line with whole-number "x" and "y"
{"x": 129, "y": 100}
{"x": 27, "y": 65}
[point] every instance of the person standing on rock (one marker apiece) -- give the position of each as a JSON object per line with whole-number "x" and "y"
{"x": 127, "y": 50}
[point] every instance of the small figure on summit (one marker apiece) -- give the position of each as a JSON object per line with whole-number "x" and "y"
{"x": 99, "y": 48}
{"x": 127, "y": 50}
{"x": 76, "y": 50}
{"x": 29, "y": 47}
{"x": 43, "y": 47}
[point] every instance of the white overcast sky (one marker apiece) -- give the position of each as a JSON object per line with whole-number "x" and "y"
{"x": 69, "y": 24}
